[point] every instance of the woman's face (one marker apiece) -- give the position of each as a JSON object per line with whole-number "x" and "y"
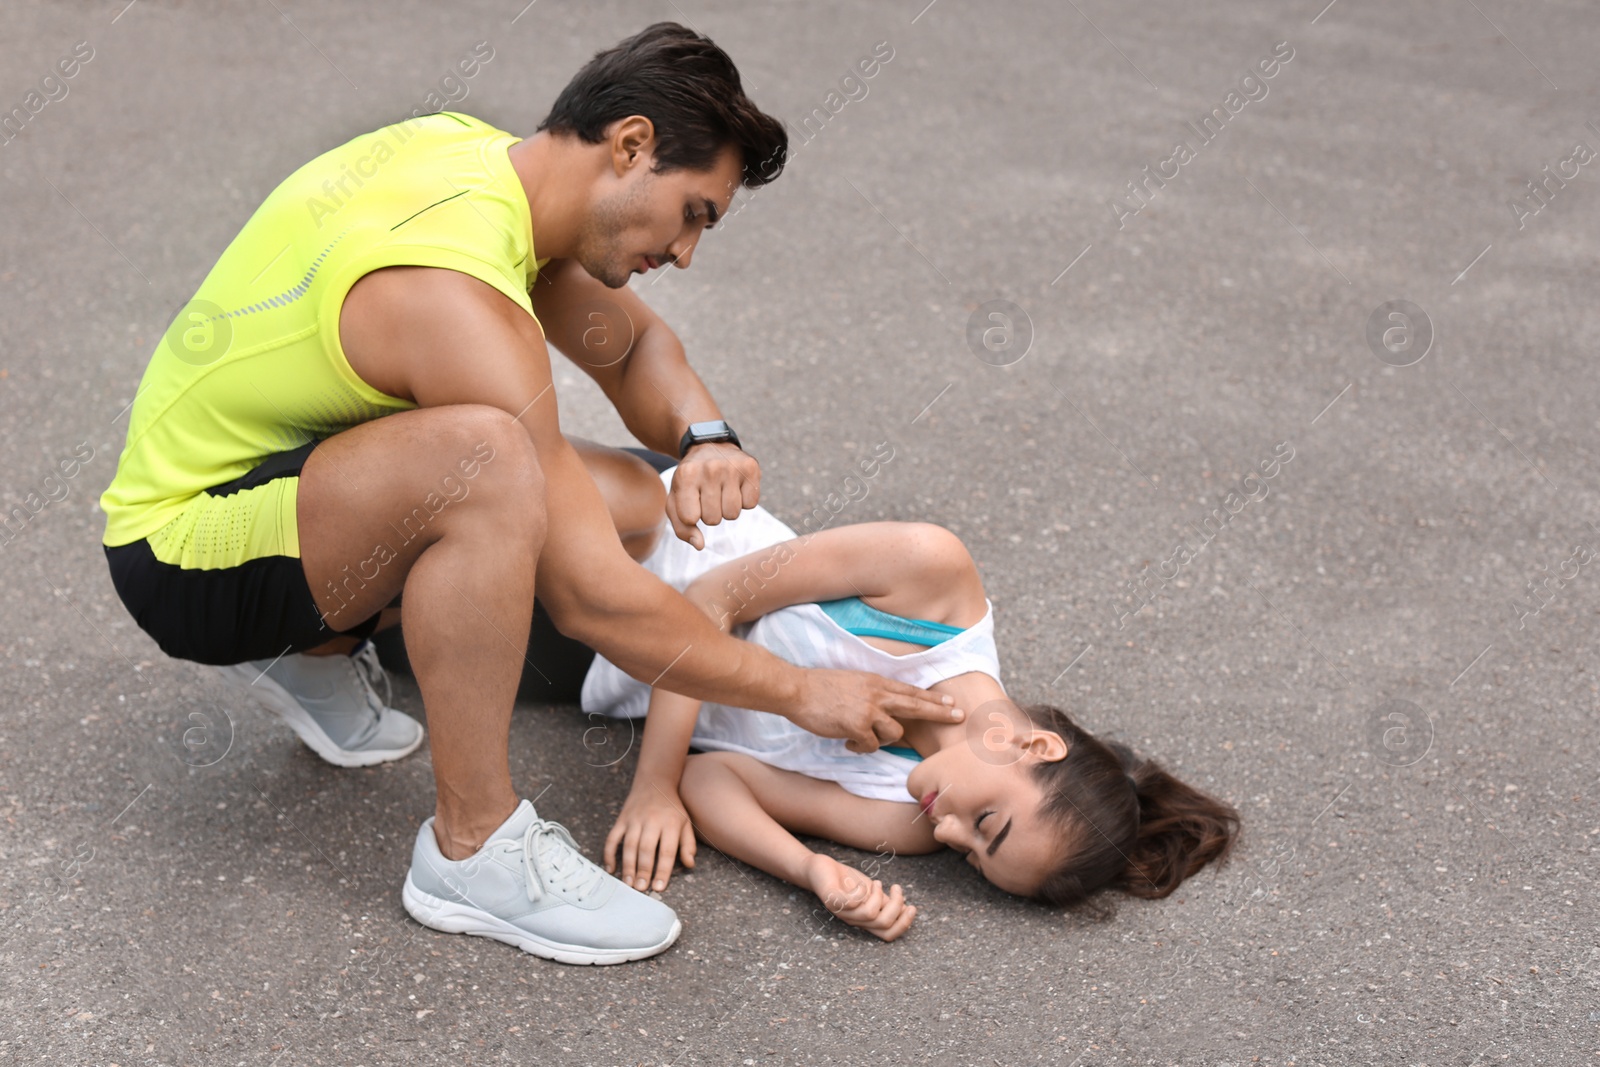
{"x": 983, "y": 800}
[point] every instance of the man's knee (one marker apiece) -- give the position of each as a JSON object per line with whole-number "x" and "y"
{"x": 494, "y": 458}
{"x": 489, "y": 446}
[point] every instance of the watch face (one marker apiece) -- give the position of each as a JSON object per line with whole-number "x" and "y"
{"x": 700, "y": 433}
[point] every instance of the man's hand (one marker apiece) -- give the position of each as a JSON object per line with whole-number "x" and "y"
{"x": 652, "y": 830}
{"x": 863, "y": 707}
{"x": 859, "y": 900}
{"x": 714, "y": 481}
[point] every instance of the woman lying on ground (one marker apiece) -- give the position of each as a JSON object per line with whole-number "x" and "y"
{"x": 1040, "y": 807}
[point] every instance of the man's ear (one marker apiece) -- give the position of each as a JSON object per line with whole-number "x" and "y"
{"x": 1047, "y": 745}
{"x": 633, "y": 141}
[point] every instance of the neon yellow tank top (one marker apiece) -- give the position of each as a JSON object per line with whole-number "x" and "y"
{"x": 253, "y": 365}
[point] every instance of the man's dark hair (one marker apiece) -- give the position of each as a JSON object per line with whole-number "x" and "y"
{"x": 688, "y": 88}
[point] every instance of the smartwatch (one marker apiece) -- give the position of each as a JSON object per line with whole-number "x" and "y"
{"x": 701, "y": 433}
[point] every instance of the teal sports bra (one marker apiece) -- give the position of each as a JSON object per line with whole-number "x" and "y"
{"x": 862, "y": 619}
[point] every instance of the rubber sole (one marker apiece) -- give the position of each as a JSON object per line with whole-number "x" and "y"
{"x": 453, "y": 918}
{"x": 279, "y": 702}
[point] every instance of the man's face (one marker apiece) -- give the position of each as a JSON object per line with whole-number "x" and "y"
{"x": 649, "y": 220}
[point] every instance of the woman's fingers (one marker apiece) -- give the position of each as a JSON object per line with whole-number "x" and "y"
{"x": 866, "y": 904}
{"x": 857, "y": 894}
{"x": 687, "y": 847}
{"x": 841, "y": 896}
{"x": 881, "y": 901}
{"x": 645, "y": 858}
{"x": 630, "y": 842}
{"x": 894, "y": 902}
{"x": 893, "y": 917}
{"x": 646, "y": 850}
{"x": 884, "y": 914}
{"x": 666, "y": 853}
{"x": 901, "y": 925}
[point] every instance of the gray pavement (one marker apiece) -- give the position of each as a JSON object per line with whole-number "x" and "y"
{"x": 1357, "y": 660}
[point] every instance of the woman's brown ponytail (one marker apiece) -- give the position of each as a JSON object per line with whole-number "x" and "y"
{"x": 1126, "y": 822}
{"x": 1180, "y": 831}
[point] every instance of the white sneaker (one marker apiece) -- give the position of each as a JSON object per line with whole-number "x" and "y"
{"x": 529, "y": 886}
{"x": 332, "y": 703}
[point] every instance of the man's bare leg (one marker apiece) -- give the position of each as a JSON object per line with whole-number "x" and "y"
{"x": 389, "y": 505}
{"x": 447, "y": 503}
{"x": 388, "y": 618}
{"x": 633, "y": 493}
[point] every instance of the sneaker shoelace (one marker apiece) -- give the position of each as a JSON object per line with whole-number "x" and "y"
{"x": 551, "y": 861}
{"x": 369, "y": 671}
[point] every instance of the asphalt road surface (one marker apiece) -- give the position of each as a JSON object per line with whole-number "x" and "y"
{"x": 1385, "y": 658}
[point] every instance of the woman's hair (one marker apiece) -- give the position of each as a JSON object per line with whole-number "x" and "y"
{"x": 688, "y": 88}
{"x": 1125, "y": 822}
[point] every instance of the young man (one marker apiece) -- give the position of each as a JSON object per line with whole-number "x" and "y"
{"x": 359, "y": 401}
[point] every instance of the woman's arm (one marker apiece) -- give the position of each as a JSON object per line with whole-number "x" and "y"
{"x": 912, "y": 569}
{"x": 653, "y": 828}
{"x": 747, "y": 809}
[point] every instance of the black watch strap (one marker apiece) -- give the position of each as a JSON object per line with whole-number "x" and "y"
{"x": 701, "y": 433}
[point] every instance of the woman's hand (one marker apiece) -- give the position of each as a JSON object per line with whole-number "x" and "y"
{"x": 859, "y": 900}
{"x": 652, "y": 829}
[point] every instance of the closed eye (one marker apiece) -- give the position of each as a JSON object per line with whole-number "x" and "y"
{"x": 711, "y": 212}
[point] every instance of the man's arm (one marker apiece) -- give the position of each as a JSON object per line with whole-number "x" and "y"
{"x": 640, "y": 365}
{"x": 629, "y": 351}
{"x": 455, "y": 340}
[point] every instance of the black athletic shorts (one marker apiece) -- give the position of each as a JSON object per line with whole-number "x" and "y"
{"x": 257, "y": 608}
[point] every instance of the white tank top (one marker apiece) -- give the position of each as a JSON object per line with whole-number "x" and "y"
{"x": 805, "y": 636}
